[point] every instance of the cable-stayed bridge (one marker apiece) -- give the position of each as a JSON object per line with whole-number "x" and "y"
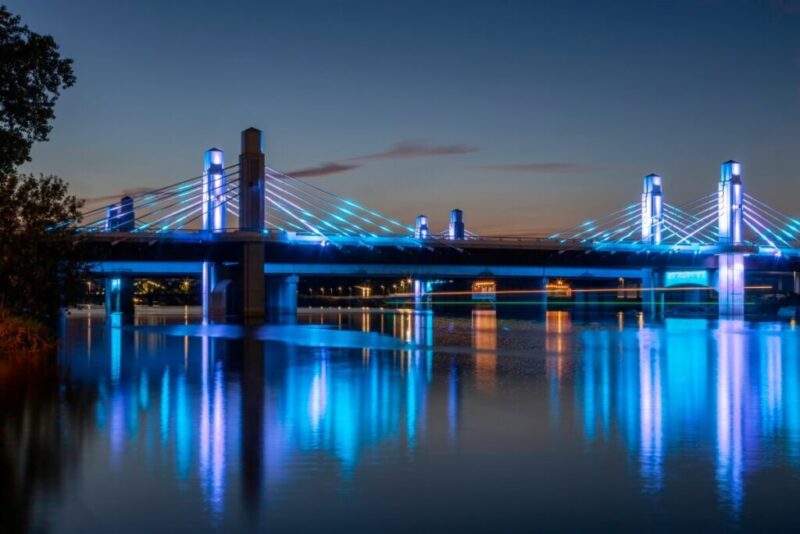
{"x": 249, "y": 231}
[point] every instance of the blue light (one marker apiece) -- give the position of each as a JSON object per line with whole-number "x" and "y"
{"x": 681, "y": 278}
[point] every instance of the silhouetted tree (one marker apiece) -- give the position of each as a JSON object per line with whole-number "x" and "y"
{"x": 40, "y": 259}
{"x": 32, "y": 74}
{"x": 39, "y": 267}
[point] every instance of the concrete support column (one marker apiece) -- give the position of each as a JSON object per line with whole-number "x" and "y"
{"x": 214, "y": 285}
{"x": 251, "y": 182}
{"x": 421, "y": 289}
{"x": 119, "y": 300}
{"x": 730, "y": 285}
{"x": 649, "y": 296}
{"x": 796, "y": 279}
{"x": 252, "y": 282}
{"x": 282, "y": 296}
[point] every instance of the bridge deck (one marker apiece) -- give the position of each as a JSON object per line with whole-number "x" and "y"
{"x": 182, "y": 254}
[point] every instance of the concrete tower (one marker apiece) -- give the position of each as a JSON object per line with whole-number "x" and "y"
{"x": 215, "y": 186}
{"x": 652, "y": 210}
{"x": 421, "y": 230}
{"x": 731, "y": 275}
{"x": 456, "y": 228}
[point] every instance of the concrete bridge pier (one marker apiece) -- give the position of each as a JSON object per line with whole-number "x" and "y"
{"x": 730, "y": 285}
{"x": 215, "y": 282}
{"x": 119, "y": 300}
{"x": 652, "y": 302}
{"x": 281, "y": 297}
{"x": 421, "y": 293}
{"x": 120, "y": 217}
{"x": 250, "y": 284}
{"x": 235, "y": 292}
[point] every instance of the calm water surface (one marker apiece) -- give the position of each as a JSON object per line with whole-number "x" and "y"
{"x": 395, "y": 420}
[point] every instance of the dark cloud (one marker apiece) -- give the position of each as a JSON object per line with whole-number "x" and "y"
{"x": 115, "y": 198}
{"x": 542, "y": 168}
{"x": 403, "y": 150}
{"x": 415, "y": 149}
{"x": 323, "y": 170}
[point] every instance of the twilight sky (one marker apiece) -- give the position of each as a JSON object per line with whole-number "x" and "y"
{"x": 529, "y": 115}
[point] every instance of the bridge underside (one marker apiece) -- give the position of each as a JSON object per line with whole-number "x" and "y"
{"x": 284, "y": 262}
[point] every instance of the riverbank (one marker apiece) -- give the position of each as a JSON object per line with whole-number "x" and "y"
{"x": 23, "y": 341}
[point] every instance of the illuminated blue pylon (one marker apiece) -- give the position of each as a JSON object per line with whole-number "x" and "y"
{"x": 120, "y": 216}
{"x": 215, "y": 186}
{"x": 421, "y": 230}
{"x": 652, "y": 210}
{"x": 731, "y": 203}
{"x": 731, "y": 274}
{"x": 456, "y": 228}
{"x": 214, "y": 192}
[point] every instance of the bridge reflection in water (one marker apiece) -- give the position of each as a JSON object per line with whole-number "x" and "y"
{"x": 243, "y": 419}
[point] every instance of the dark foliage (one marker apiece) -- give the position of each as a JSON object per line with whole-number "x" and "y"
{"x": 40, "y": 265}
{"x": 32, "y": 74}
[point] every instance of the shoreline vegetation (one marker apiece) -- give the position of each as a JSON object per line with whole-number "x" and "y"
{"x": 25, "y": 342}
{"x": 40, "y": 257}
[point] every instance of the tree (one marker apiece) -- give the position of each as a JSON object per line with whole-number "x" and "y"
{"x": 32, "y": 74}
{"x": 40, "y": 256}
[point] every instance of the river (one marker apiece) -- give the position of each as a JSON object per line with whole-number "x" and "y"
{"x": 395, "y": 420}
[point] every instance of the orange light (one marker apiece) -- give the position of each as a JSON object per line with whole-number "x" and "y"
{"x": 484, "y": 286}
{"x": 559, "y": 288}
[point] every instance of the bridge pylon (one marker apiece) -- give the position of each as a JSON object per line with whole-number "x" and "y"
{"x": 215, "y": 187}
{"x": 120, "y": 217}
{"x": 652, "y": 210}
{"x": 456, "y": 228}
{"x": 421, "y": 229}
{"x": 214, "y": 190}
{"x": 731, "y": 274}
{"x": 251, "y": 182}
